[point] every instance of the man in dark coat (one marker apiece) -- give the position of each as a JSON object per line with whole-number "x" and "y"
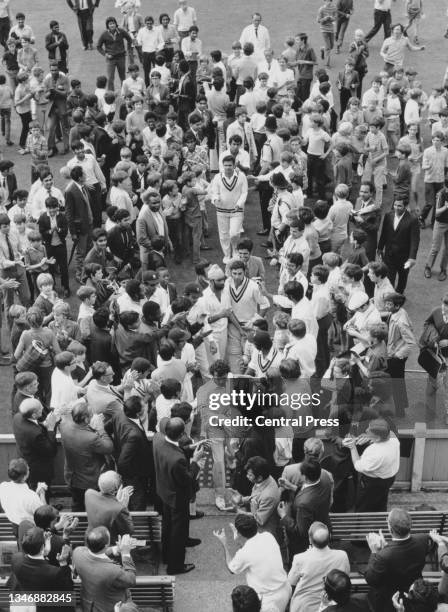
{"x": 398, "y": 243}
{"x": 175, "y": 482}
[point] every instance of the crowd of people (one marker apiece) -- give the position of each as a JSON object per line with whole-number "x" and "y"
{"x": 135, "y": 372}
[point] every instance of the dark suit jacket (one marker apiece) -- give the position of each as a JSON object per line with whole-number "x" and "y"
{"x": 175, "y": 479}
{"x": 310, "y": 504}
{"x": 50, "y": 45}
{"x": 104, "y": 583}
{"x": 163, "y": 91}
{"x": 75, "y": 4}
{"x": 401, "y": 244}
{"x": 108, "y": 511}
{"x": 84, "y": 450}
{"x": 394, "y": 569}
{"x": 133, "y": 451}
{"x": 76, "y": 210}
{"x": 37, "y": 446}
{"x": 136, "y": 181}
{"x": 45, "y": 227}
{"x": 40, "y": 575}
{"x": 117, "y": 246}
{"x": 146, "y": 229}
{"x": 187, "y": 94}
{"x": 102, "y": 141}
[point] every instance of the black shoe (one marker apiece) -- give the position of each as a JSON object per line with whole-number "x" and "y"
{"x": 191, "y": 542}
{"x": 322, "y": 53}
{"x": 53, "y": 152}
{"x": 199, "y": 514}
{"x": 264, "y": 232}
{"x": 267, "y": 244}
{"x": 188, "y": 567}
{"x": 85, "y": 47}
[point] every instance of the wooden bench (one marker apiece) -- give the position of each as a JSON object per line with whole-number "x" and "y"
{"x": 147, "y": 526}
{"x": 359, "y": 584}
{"x": 149, "y": 592}
{"x": 355, "y": 527}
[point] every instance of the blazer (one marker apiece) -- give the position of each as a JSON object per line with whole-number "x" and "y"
{"x": 77, "y": 209}
{"x": 84, "y": 450}
{"x": 45, "y": 228}
{"x": 146, "y": 229}
{"x": 310, "y": 504}
{"x": 186, "y": 93}
{"x": 136, "y": 181}
{"x": 133, "y": 451}
{"x": 103, "y": 582}
{"x": 164, "y": 92}
{"x": 37, "y": 446}
{"x": 51, "y": 46}
{"x": 139, "y": 22}
{"x": 108, "y": 511}
{"x": 175, "y": 479}
{"x": 401, "y": 244}
{"x": 394, "y": 568}
{"x": 40, "y": 575}
{"x": 75, "y": 4}
{"x": 117, "y": 246}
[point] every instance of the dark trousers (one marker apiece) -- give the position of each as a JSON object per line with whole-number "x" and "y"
{"x": 5, "y": 26}
{"x": 139, "y": 497}
{"x": 78, "y": 504}
{"x": 193, "y": 237}
{"x": 344, "y": 96}
{"x": 25, "y": 118}
{"x": 57, "y": 119}
{"x": 316, "y": 171}
{"x": 397, "y": 271}
{"x": 175, "y": 526}
{"x": 85, "y": 23}
{"x": 431, "y": 191}
{"x": 395, "y": 368}
{"x": 148, "y": 63}
{"x": 59, "y": 252}
{"x": 175, "y": 231}
{"x": 184, "y": 109}
{"x": 323, "y": 351}
{"x": 265, "y": 192}
{"x": 118, "y": 63}
{"x": 96, "y": 203}
{"x": 372, "y": 494}
{"x": 303, "y": 89}
{"x": 380, "y": 18}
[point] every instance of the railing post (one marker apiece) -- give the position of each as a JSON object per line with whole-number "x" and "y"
{"x": 419, "y": 456}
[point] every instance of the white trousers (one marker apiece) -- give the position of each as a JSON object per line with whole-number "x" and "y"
{"x": 230, "y": 226}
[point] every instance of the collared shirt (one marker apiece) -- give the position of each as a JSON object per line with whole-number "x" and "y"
{"x": 184, "y": 19}
{"x": 113, "y": 44}
{"x": 37, "y": 204}
{"x": 172, "y": 441}
{"x": 383, "y": 287}
{"x": 304, "y": 311}
{"x": 382, "y": 5}
{"x": 91, "y": 169}
{"x": 150, "y": 40}
{"x": 397, "y": 220}
{"x": 261, "y": 559}
{"x": 260, "y": 363}
{"x": 304, "y": 350}
{"x": 380, "y": 459}
{"x": 192, "y": 49}
{"x": 211, "y": 305}
{"x": 18, "y": 501}
{"x": 434, "y": 163}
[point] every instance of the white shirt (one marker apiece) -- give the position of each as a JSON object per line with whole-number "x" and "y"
{"x": 63, "y": 389}
{"x": 150, "y": 40}
{"x": 183, "y": 20}
{"x": 304, "y": 311}
{"x": 91, "y": 168}
{"x": 211, "y": 306}
{"x": 243, "y": 158}
{"x": 260, "y": 558}
{"x": 192, "y": 49}
{"x": 397, "y": 220}
{"x": 37, "y": 202}
{"x": 260, "y": 364}
{"x": 260, "y": 40}
{"x": 124, "y": 303}
{"x": 18, "y": 501}
{"x": 161, "y": 296}
{"x": 380, "y": 459}
{"x": 382, "y": 5}
{"x": 304, "y": 350}
{"x": 272, "y": 71}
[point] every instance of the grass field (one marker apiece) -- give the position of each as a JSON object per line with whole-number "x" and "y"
{"x": 220, "y": 23}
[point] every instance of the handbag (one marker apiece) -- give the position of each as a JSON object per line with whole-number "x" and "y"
{"x": 430, "y": 361}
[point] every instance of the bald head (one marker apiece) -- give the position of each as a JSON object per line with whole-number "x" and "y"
{"x": 109, "y": 482}
{"x": 318, "y": 535}
{"x": 174, "y": 429}
{"x": 31, "y": 408}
